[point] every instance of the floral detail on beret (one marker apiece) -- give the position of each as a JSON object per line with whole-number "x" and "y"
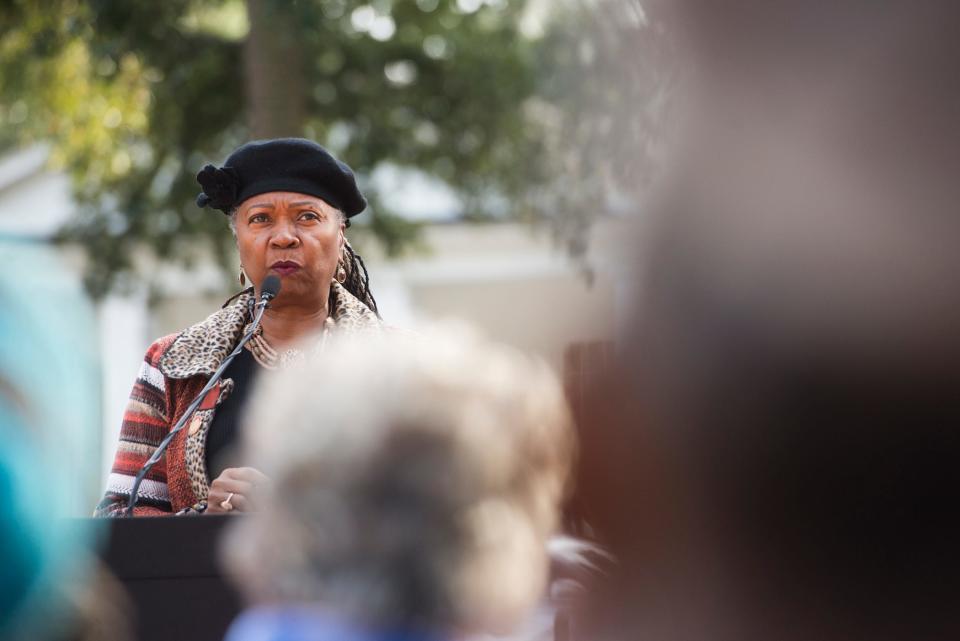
{"x": 220, "y": 187}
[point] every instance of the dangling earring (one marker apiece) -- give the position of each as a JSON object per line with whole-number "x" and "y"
{"x": 243, "y": 277}
{"x": 341, "y": 272}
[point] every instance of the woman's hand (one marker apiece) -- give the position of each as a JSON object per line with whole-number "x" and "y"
{"x": 237, "y": 484}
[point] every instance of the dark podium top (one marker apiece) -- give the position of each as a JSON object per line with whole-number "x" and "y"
{"x": 170, "y": 567}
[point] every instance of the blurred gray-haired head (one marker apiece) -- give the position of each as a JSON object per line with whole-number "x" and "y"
{"x": 413, "y": 482}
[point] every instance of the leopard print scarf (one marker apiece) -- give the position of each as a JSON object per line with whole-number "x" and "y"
{"x": 200, "y": 348}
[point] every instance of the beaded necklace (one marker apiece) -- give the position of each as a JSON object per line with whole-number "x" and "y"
{"x": 270, "y": 358}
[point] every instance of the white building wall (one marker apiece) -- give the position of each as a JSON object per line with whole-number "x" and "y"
{"x": 124, "y": 336}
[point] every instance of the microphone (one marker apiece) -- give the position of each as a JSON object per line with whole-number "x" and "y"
{"x": 269, "y": 289}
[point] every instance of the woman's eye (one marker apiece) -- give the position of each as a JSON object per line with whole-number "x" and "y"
{"x": 257, "y": 218}
{"x": 310, "y": 215}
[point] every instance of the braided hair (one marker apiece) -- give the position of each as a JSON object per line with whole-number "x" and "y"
{"x": 357, "y": 281}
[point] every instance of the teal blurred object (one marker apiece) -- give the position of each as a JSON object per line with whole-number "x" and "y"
{"x": 49, "y": 409}
{"x": 23, "y": 552}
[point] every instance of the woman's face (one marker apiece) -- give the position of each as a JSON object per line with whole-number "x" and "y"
{"x": 295, "y": 236}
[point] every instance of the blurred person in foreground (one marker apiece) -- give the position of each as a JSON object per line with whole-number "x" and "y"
{"x": 288, "y": 202}
{"x": 780, "y": 461}
{"x": 413, "y": 497}
{"x": 50, "y": 585}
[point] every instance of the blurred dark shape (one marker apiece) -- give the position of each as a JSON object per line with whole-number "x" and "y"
{"x": 100, "y": 609}
{"x": 775, "y": 455}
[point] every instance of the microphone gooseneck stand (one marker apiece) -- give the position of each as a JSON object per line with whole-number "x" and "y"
{"x": 269, "y": 290}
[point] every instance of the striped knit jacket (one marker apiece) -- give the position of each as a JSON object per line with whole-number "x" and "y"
{"x": 174, "y": 370}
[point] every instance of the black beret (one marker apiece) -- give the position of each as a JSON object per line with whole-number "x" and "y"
{"x": 282, "y": 164}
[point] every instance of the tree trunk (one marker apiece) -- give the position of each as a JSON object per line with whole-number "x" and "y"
{"x": 273, "y": 65}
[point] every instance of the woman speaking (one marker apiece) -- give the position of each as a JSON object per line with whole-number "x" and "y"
{"x": 288, "y": 202}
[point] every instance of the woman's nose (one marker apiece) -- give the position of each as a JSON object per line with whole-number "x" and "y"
{"x": 285, "y": 236}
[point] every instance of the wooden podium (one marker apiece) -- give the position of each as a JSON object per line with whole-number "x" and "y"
{"x": 170, "y": 567}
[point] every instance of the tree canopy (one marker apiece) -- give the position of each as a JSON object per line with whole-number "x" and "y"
{"x": 136, "y": 97}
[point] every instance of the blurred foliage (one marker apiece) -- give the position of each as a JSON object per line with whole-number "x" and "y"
{"x": 605, "y": 72}
{"x": 137, "y": 96}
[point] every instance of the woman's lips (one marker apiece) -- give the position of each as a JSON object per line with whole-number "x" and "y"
{"x": 285, "y": 267}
